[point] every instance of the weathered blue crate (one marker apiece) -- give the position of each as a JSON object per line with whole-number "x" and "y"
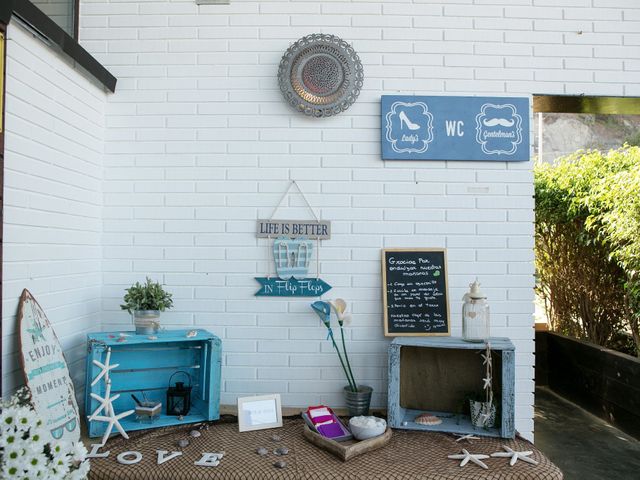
{"x": 146, "y": 365}
{"x": 434, "y": 374}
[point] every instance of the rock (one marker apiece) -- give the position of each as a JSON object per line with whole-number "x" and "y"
{"x": 183, "y": 442}
{"x": 195, "y": 433}
{"x": 281, "y": 451}
{"x": 262, "y": 451}
{"x": 276, "y": 438}
{"x": 280, "y": 464}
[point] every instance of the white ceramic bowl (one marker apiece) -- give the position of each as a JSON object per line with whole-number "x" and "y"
{"x": 363, "y": 433}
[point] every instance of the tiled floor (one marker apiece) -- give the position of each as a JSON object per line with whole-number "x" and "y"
{"x": 582, "y": 445}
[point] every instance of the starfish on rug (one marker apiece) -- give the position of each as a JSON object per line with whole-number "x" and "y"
{"x": 467, "y": 457}
{"x": 515, "y": 456}
{"x": 468, "y": 437}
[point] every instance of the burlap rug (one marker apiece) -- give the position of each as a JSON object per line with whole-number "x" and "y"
{"x": 409, "y": 455}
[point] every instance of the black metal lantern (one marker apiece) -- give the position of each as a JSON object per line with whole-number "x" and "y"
{"x": 179, "y": 396}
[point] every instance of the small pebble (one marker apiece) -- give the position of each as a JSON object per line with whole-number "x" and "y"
{"x": 183, "y": 442}
{"x": 404, "y": 424}
{"x": 281, "y": 451}
{"x": 195, "y": 433}
{"x": 280, "y": 464}
{"x": 276, "y": 438}
{"x": 152, "y": 337}
{"x": 262, "y": 451}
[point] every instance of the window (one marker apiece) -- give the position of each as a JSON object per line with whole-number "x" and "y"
{"x": 63, "y": 12}
{"x": 564, "y": 124}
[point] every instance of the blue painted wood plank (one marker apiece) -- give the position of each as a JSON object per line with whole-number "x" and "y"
{"x": 451, "y": 423}
{"x": 169, "y": 355}
{"x": 111, "y": 338}
{"x": 291, "y": 287}
{"x": 508, "y": 394}
{"x": 497, "y": 343}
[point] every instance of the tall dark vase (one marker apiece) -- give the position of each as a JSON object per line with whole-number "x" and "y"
{"x": 358, "y": 402}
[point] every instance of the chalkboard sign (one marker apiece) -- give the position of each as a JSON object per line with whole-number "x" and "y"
{"x": 414, "y": 284}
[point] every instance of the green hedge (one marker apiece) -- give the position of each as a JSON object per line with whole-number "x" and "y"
{"x": 588, "y": 243}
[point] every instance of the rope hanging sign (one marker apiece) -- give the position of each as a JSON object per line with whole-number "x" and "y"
{"x": 292, "y": 253}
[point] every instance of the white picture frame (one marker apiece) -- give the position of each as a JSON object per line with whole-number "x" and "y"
{"x": 259, "y": 412}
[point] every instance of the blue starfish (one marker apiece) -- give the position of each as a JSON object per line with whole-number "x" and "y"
{"x": 36, "y": 333}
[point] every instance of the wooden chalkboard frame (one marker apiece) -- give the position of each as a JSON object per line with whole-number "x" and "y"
{"x": 387, "y": 333}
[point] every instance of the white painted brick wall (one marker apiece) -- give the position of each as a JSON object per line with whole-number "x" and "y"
{"x": 200, "y": 143}
{"x": 52, "y": 199}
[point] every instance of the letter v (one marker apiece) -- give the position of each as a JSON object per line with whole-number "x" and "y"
{"x": 162, "y": 458}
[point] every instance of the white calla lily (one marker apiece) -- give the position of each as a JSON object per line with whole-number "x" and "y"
{"x": 340, "y": 307}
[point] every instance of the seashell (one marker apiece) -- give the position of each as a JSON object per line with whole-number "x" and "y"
{"x": 152, "y": 337}
{"x": 183, "y": 442}
{"x": 281, "y": 451}
{"x": 192, "y": 333}
{"x": 195, "y": 433}
{"x": 121, "y": 339}
{"x": 280, "y": 464}
{"x": 180, "y": 417}
{"x": 262, "y": 451}
{"x": 276, "y": 438}
{"x": 427, "y": 419}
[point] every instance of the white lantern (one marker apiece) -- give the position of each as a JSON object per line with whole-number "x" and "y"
{"x": 475, "y": 315}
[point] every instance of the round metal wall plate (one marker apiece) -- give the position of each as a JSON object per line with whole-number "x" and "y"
{"x": 320, "y": 75}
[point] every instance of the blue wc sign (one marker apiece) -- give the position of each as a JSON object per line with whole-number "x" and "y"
{"x": 455, "y": 128}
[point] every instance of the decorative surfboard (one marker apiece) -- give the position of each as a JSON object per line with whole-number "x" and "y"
{"x": 46, "y": 372}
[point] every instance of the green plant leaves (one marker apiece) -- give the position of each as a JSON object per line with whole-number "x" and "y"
{"x": 147, "y": 296}
{"x": 588, "y": 242}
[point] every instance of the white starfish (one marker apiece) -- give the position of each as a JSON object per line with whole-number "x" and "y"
{"x": 467, "y": 457}
{"x": 113, "y": 421}
{"x": 105, "y": 402}
{"x": 468, "y": 437}
{"x": 105, "y": 368}
{"x": 484, "y": 418}
{"x": 515, "y": 456}
{"x": 487, "y": 382}
{"x": 486, "y": 358}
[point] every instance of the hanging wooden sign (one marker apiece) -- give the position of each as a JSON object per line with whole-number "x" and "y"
{"x": 46, "y": 372}
{"x": 292, "y": 253}
{"x": 278, "y": 287}
{"x": 313, "y": 230}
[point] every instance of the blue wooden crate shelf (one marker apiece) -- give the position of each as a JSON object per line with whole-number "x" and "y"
{"x": 428, "y": 372}
{"x": 146, "y": 365}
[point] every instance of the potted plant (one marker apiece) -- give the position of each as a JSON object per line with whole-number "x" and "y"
{"x": 358, "y": 397}
{"x": 145, "y": 302}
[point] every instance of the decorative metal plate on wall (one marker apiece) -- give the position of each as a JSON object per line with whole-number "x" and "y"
{"x": 320, "y": 75}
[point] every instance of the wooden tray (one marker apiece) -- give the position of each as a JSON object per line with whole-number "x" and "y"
{"x": 350, "y": 448}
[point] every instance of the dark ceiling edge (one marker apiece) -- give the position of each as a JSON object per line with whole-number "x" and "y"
{"x": 34, "y": 17}
{"x": 586, "y": 104}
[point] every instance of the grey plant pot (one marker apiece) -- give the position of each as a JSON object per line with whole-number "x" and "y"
{"x": 147, "y": 322}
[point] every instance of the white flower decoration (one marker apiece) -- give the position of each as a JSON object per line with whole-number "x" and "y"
{"x": 22, "y": 446}
{"x": 340, "y": 307}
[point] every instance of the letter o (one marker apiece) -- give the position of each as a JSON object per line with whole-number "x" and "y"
{"x": 137, "y": 457}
